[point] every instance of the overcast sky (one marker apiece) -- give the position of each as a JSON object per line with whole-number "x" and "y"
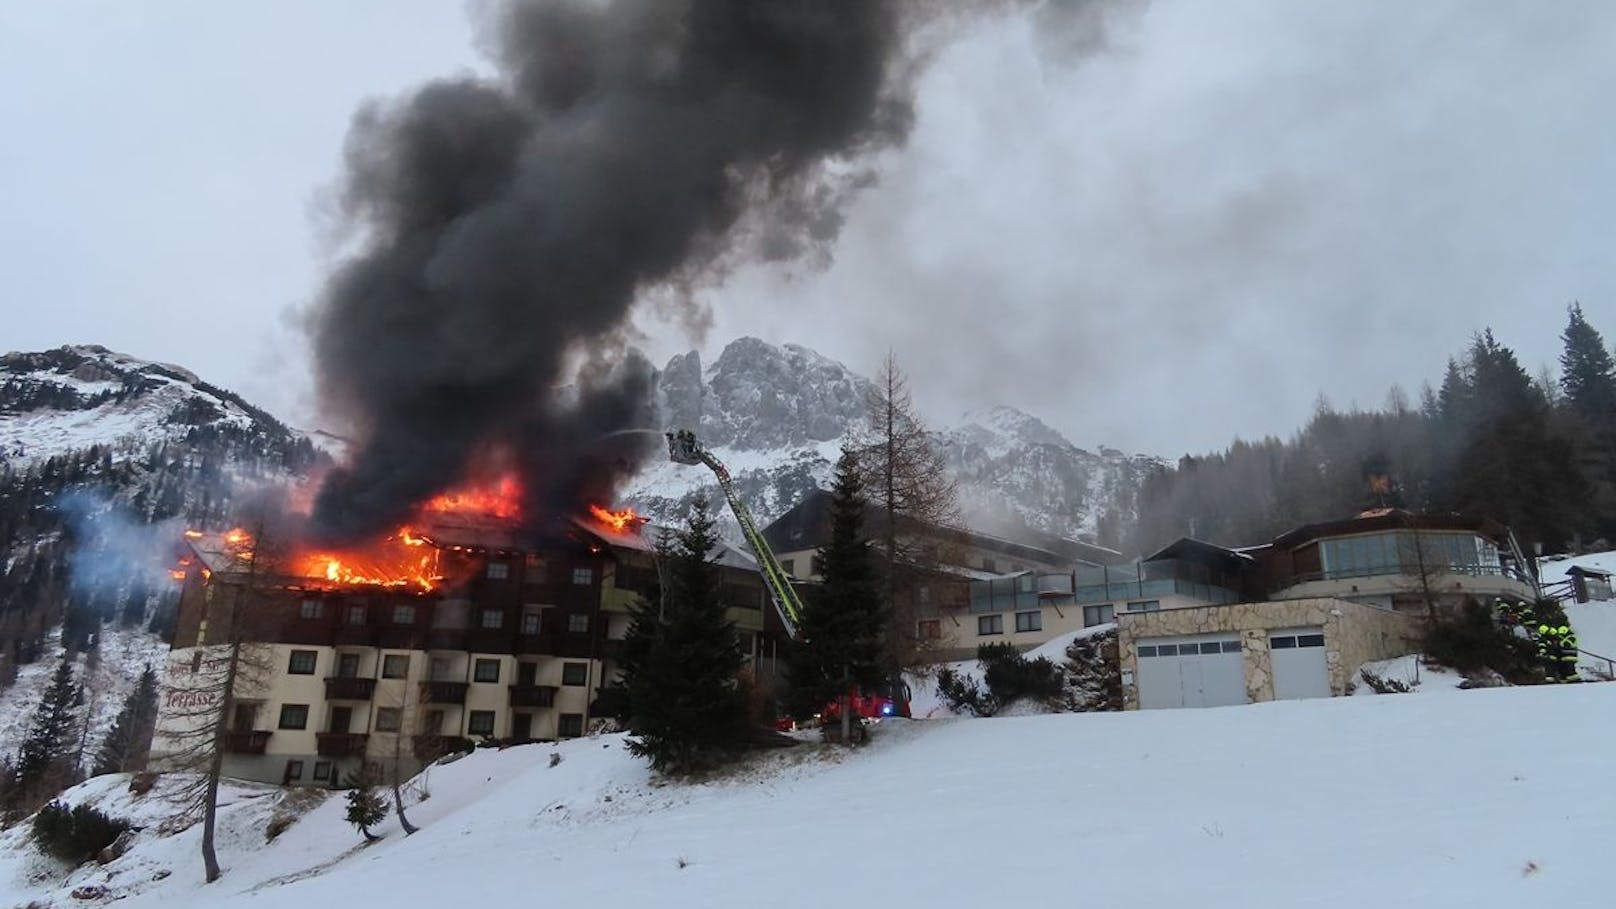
{"x": 1186, "y": 236}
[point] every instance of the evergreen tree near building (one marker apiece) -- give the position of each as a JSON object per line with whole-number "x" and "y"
{"x": 44, "y": 761}
{"x": 128, "y": 742}
{"x": 687, "y": 711}
{"x": 842, "y": 637}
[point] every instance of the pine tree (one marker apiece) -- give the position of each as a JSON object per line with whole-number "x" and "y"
{"x": 44, "y": 759}
{"x": 1587, "y": 373}
{"x": 686, "y": 709}
{"x": 843, "y": 631}
{"x": 129, "y": 740}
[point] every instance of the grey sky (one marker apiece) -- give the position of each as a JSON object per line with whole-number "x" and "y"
{"x": 1185, "y": 237}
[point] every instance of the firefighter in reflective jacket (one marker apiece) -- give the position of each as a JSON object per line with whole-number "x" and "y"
{"x": 1557, "y": 648}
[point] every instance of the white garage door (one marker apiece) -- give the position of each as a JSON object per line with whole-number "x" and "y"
{"x": 1299, "y": 665}
{"x": 1197, "y": 671}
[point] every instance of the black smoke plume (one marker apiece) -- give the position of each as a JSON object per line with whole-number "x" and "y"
{"x": 507, "y": 225}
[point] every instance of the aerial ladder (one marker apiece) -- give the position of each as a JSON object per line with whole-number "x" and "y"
{"x": 683, "y": 448}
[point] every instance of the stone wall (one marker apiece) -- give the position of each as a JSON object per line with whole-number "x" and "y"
{"x": 1353, "y": 635}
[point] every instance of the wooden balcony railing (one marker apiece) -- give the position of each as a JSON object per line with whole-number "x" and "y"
{"x": 340, "y": 744}
{"x": 444, "y": 692}
{"x": 349, "y": 689}
{"x": 533, "y": 695}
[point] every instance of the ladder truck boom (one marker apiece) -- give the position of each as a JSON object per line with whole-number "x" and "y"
{"x": 684, "y": 448}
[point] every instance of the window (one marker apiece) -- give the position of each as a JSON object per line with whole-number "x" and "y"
{"x": 294, "y": 716}
{"x": 485, "y": 671}
{"x": 583, "y": 577}
{"x": 574, "y": 673}
{"x": 440, "y": 670}
{"x": 498, "y": 571}
{"x": 294, "y": 770}
{"x": 1144, "y": 606}
{"x": 302, "y": 662}
{"x": 432, "y": 722}
{"x": 1169, "y": 649}
{"x": 389, "y": 719}
{"x": 929, "y": 629}
{"x": 530, "y": 623}
{"x": 493, "y": 618}
{"x": 1310, "y": 640}
{"x": 1099, "y": 615}
{"x": 481, "y": 723}
{"x": 348, "y": 666}
{"x": 789, "y": 566}
{"x": 312, "y": 609}
{"x": 1284, "y": 642}
{"x": 923, "y": 594}
{"x": 395, "y": 666}
{"x": 322, "y": 770}
{"x": 1147, "y": 650}
{"x": 989, "y": 624}
{"x": 403, "y": 614}
{"x": 1029, "y": 621}
{"x": 356, "y": 615}
{"x": 814, "y": 566}
{"x": 571, "y": 725}
{"x": 1212, "y": 647}
{"x": 578, "y": 622}
{"x": 1231, "y": 646}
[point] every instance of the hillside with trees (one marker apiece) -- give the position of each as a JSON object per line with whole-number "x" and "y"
{"x": 1538, "y": 454}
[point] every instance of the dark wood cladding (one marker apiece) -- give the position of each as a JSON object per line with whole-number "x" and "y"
{"x": 532, "y": 695}
{"x": 253, "y": 742}
{"x": 348, "y": 689}
{"x": 444, "y": 692}
{"x": 340, "y": 744}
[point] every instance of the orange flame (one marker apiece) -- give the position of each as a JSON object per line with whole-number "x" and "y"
{"x": 501, "y": 500}
{"x": 624, "y": 521}
{"x": 390, "y": 564}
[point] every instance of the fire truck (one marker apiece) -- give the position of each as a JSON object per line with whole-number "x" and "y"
{"x": 885, "y": 701}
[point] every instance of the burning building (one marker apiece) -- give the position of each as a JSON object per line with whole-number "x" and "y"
{"x": 437, "y": 638}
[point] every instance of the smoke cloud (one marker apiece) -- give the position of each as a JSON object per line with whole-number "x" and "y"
{"x": 506, "y": 226}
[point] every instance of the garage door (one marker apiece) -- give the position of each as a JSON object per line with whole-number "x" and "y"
{"x": 1196, "y": 671}
{"x": 1299, "y": 666}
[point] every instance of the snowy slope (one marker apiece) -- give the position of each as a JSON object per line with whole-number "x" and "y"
{"x": 122, "y": 655}
{"x": 1464, "y": 800}
{"x": 54, "y": 402}
{"x": 1594, "y": 622}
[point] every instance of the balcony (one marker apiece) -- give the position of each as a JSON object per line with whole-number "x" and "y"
{"x": 532, "y": 643}
{"x": 252, "y": 741}
{"x": 533, "y": 695}
{"x": 489, "y": 640}
{"x": 349, "y": 689}
{"x": 444, "y": 692}
{"x": 340, "y": 744}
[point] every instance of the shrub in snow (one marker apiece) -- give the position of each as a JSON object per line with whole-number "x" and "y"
{"x": 365, "y": 808}
{"x": 1382, "y": 685}
{"x": 1472, "y": 642}
{"x": 75, "y": 834}
{"x": 1094, "y": 673}
{"x": 1011, "y": 676}
{"x": 1007, "y": 675}
{"x": 962, "y": 693}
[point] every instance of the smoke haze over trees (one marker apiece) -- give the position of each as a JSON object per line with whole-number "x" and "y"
{"x": 1488, "y": 440}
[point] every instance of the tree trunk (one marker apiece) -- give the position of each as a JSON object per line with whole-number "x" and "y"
{"x": 398, "y": 807}
{"x": 846, "y": 703}
{"x": 221, "y": 723}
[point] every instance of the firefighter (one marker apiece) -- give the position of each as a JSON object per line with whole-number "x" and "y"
{"x": 1548, "y": 651}
{"x": 1568, "y": 654}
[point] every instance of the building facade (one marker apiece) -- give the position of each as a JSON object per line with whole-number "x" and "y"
{"x": 517, "y": 647}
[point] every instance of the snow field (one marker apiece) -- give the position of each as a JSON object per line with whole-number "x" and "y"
{"x": 1495, "y": 797}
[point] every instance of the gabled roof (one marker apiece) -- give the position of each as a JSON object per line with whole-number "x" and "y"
{"x": 1191, "y": 548}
